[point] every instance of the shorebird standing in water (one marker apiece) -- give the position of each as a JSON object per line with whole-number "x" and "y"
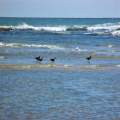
{"x": 89, "y": 58}
{"x": 39, "y": 58}
{"x": 53, "y": 60}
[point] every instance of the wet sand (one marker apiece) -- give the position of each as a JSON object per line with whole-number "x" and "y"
{"x": 58, "y": 66}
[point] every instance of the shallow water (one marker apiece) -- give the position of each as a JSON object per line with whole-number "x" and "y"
{"x": 46, "y": 94}
{"x": 70, "y": 88}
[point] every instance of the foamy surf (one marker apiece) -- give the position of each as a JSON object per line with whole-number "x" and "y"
{"x": 25, "y": 26}
{"x": 78, "y": 49}
{"x": 57, "y": 47}
{"x": 57, "y": 28}
{"x": 106, "y": 27}
{"x": 98, "y": 29}
{"x": 118, "y": 65}
{"x": 116, "y": 33}
{"x": 19, "y": 45}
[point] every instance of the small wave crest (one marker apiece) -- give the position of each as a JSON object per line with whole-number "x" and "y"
{"x": 44, "y": 46}
{"x": 77, "y": 28}
{"x": 78, "y": 49}
{"x": 19, "y": 45}
{"x": 116, "y": 33}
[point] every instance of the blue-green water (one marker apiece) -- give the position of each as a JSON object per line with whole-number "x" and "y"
{"x": 70, "y": 40}
{"x": 45, "y": 95}
{"x": 49, "y": 93}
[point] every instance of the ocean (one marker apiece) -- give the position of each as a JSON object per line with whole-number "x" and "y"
{"x": 71, "y": 87}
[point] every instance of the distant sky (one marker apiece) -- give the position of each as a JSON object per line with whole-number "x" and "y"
{"x": 60, "y": 8}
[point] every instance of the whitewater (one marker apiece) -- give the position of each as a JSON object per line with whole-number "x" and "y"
{"x": 100, "y": 29}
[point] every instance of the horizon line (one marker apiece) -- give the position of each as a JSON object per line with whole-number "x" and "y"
{"x": 61, "y": 17}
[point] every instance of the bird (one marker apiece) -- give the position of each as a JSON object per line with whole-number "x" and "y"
{"x": 39, "y": 58}
{"x": 53, "y": 59}
{"x": 89, "y": 58}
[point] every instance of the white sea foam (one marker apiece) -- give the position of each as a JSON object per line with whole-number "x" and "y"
{"x": 2, "y": 57}
{"x": 103, "y": 29}
{"x": 110, "y": 46}
{"x": 57, "y": 28}
{"x": 108, "y": 27}
{"x": 116, "y": 33}
{"x": 18, "y": 45}
{"x": 25, "y": 26}
{"x": 99, "y": 29}
{"x": 118, "y": 65}
{"x": 56, "y": 47}
{"x": 78, "y": 49}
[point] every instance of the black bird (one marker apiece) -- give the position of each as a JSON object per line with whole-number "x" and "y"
{"x": 89, "y": 58}
{"x": 53, "y": 59}
{"x": 40, "y": 59}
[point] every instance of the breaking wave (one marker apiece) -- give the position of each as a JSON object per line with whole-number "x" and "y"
{"x": 19, "y": 45}
{"x": 116, "y": 33}
{"x": 44, "y": 46}
{"x": 99, "y": 29}
{"x": 103, "y": 29}
{"x": 25, "y": 26}
{"x": 58, "y": 28}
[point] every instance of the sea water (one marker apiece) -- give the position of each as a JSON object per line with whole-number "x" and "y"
{"x": 60, "y": 94}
